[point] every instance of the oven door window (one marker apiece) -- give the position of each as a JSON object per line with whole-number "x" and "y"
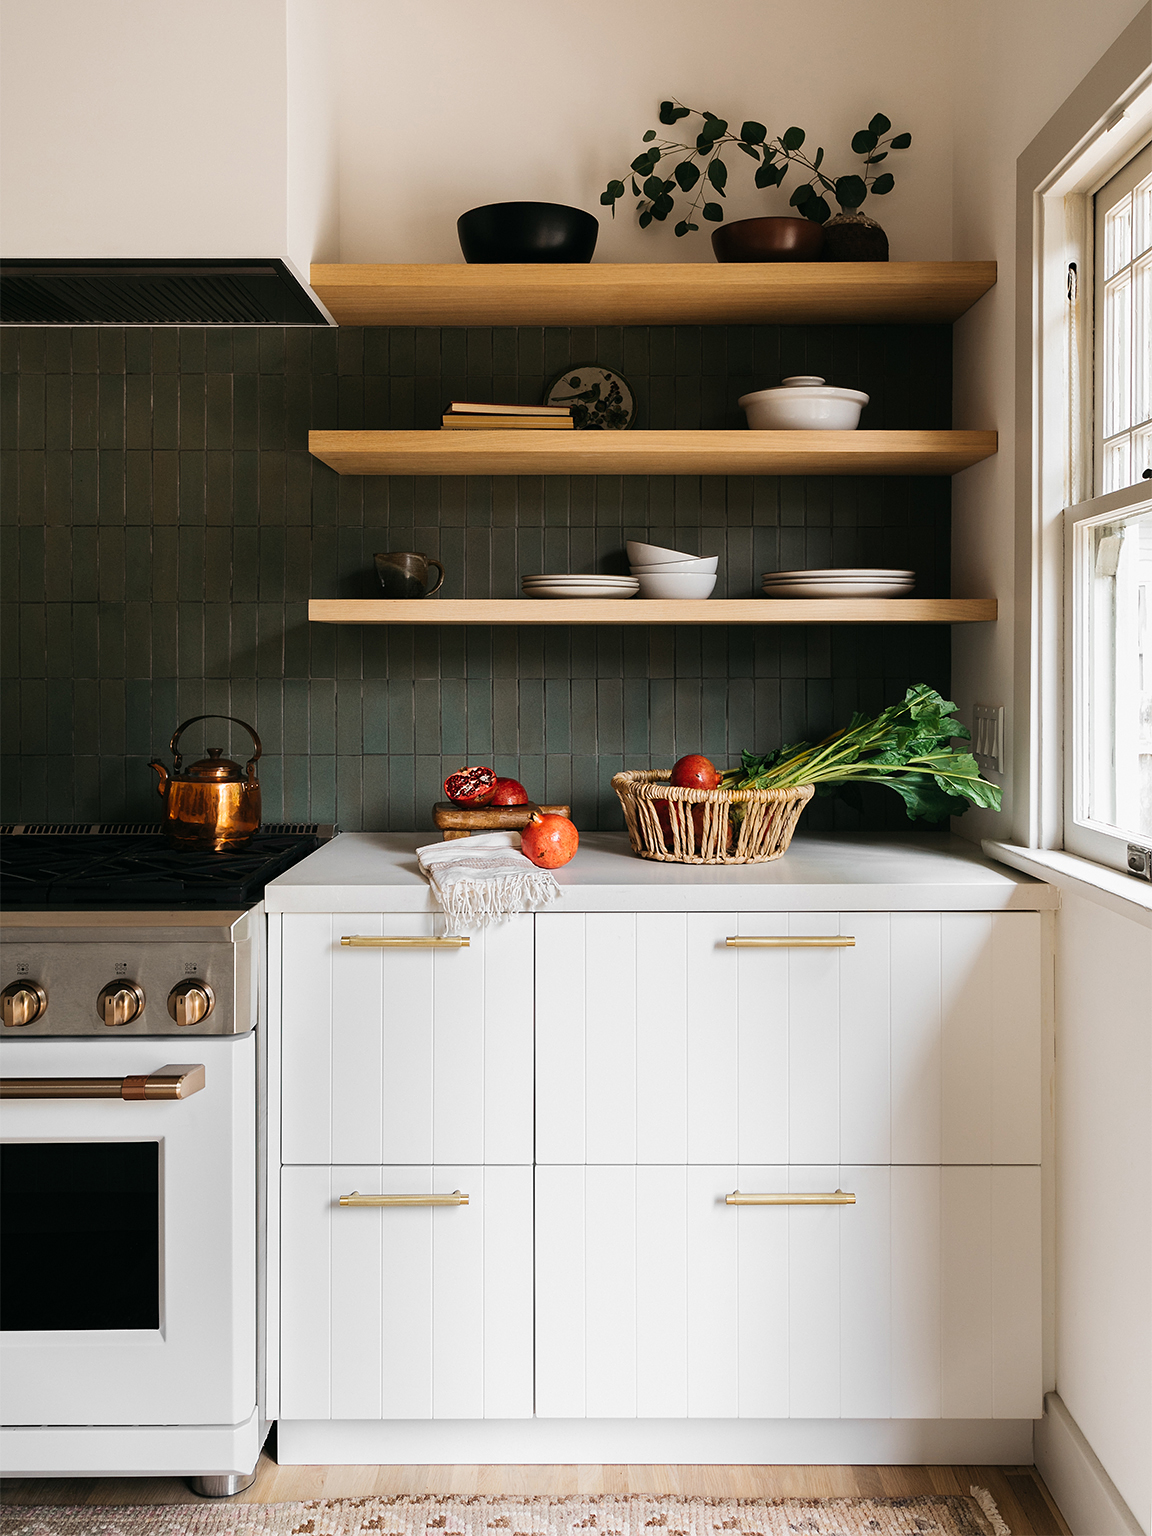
{"x": 79, "y": 1235}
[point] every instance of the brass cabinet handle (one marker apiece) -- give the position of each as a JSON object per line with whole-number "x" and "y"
{"x": 356, "y": 1198}
{"x": 172, "y": 1082}
{"x": 799, "y": 941}
{"x": 416, "y": 941}
{"x": 839, "y": 1197}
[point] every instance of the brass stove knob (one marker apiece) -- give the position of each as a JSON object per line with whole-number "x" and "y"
{"x": 119, "y": 1003}
{"x": 23, "y": 1002}
{"x": 191, "y": 1001}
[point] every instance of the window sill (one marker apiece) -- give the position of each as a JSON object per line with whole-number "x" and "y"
{"x": 1123, "y": 894}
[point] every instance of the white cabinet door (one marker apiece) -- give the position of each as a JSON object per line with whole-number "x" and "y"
{"x": 406, "y": 1312}
{"x": 656, "y": 1299}
{"x": 657, "y": 1043}
{"x": 405, "y": 1056}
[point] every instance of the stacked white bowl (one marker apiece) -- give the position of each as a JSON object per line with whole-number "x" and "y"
{"x": 669, "y": 573}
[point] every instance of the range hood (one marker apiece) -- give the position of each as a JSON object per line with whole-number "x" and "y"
{"x": 156, "y": 292}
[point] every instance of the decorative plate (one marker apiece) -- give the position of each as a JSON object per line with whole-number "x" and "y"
{"x": 597, "y": 396}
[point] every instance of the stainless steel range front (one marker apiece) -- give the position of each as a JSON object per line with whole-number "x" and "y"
{"x": 132, "y": 985}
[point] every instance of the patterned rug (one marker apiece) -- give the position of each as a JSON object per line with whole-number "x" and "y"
{"x": 603, "y": 1515}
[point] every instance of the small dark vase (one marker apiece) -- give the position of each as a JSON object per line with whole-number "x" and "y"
{"x": 854, "y": 237}
{"x": 527, "y": 232}
{"x": 768, "y": 239}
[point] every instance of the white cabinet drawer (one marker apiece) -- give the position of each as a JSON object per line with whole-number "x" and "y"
{"x": 405, "y": 1055}
{"x": 655, "y": 1299}
{"x": 658, "y": 1043}
{"x": 406, "y": 1312}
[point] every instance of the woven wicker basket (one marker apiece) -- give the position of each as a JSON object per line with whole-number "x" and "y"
{"x": 710, "y": 836}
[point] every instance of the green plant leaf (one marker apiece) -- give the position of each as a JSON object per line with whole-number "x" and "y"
{"x": 682, "y": 228}
{"x": 616, "y": 188}
{"x": 687, "y": 174}
{"x": 649, "y": 136}
{"x": 748, "y": 150}
{"x": 864, "y": 142}
{"x": 645, "y": 219}
{"x": 901, "y": 141}
{"x": 670, "y": 112}
{"x": 883, "y": 184}
{"x": 715, "y": 128}
{"x": 753, "y": 133}
{"x": 829, "y": 186}
{"x": 635, "y": 188}
{"x": 713, "y": 212}
{"x": 718, "y": 175}
{"x": 771, "y": 175}
{"x": 642, "y": 165}
{"x": 609, "y": 202}
{"x": 801, "y": 195}
{"x": 792, "y": 138}
{"x": 879, "y": 124}
{"x": 850, "y": 191}
{"x": 662, "y": 207}
{"x": 817, "y": 159}
{"x": 876, "y": 159}
{"x": 654, "y": 186}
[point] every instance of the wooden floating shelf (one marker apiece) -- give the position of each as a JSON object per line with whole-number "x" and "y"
{"x": 646, "y": 293}
{"x": 609, "y": 610}
{"x": 650, "y": 453}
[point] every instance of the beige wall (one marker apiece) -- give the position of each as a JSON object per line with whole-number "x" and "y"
{"x": 445, "y": 107}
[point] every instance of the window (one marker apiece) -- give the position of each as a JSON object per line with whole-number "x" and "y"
{"x": 1123, "y": 361}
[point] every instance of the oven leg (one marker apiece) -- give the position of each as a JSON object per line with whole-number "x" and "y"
{"x": 222, "y": 1487}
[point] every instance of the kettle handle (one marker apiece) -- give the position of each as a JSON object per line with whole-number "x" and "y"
{"x": 195, "y": 720}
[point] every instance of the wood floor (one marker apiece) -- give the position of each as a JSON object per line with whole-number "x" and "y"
{"x": 1023, "y": 1501}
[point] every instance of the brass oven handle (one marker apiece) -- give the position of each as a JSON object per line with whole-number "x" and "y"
{"x": 798, "y": 941}
{"x": 171, "y": 1082}
{"x": 356, "y": 1198}
{"x": 413, "y": 941}
{"x": 838, "y": 1198}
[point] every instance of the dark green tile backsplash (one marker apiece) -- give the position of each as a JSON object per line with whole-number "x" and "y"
{"x": 164, "y": 527}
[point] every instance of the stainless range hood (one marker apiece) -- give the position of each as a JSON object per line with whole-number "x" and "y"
{"x": 156, "y": 292}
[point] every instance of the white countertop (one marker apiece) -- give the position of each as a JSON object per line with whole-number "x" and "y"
{"x": 851, "y": 872}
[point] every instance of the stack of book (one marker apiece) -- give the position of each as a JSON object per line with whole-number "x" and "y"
{"x": 461, "y": 416}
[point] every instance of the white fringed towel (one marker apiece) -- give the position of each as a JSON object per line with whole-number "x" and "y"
{"x": 479, "y": 880}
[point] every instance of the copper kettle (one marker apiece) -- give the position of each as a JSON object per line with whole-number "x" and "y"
{"x": 214, "y": 805}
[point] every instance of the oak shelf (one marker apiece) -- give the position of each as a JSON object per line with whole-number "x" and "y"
{"x": 733, "y": 452}
{"x": 648, "y": 293}
{"x": 777, "y": 610}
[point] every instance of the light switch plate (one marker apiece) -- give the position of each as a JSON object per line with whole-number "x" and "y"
{"x": 988, "y": 737}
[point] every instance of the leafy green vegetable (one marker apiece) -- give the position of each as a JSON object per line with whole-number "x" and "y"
{"x": 907, "y": 747}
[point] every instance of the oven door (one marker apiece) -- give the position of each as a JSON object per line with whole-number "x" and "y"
{"x": 128, "y": 1247}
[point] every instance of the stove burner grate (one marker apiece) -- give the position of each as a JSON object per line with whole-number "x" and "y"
{"x": 52, "y": 867}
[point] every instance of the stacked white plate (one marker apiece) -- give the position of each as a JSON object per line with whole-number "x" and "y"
{"x": 844, "y": 582}
{"x": 668, "y": 573}
{"x": 580, "y": 586}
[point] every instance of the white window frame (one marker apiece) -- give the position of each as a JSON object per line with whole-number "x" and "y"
{"x": 1103, "y": 123}
{"x": 1090, "y": 839}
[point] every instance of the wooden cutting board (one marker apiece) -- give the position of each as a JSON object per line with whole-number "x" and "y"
{"x": 462, "y": 821}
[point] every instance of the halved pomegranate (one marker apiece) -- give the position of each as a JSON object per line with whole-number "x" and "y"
{"x": 509, "y": 792}
{"x": 549, "y": 840}
{"x": 470, "y": 786}
{"x": 695, "y": 772}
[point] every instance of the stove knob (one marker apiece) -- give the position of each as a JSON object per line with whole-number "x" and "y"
{"x": 191, "y": 1001}
{"x": 119, "y": 1003}
{"x": 23, "y": 1002}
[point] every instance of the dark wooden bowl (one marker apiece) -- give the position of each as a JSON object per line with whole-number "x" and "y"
{"x": 769, "y": 239}
{"x": 527, "y": 232}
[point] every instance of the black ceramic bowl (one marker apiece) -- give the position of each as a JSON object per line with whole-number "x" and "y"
{"x": 523, "y": 232}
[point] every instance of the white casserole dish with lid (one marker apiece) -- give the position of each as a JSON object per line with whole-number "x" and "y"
{"x": 804, "y": 402}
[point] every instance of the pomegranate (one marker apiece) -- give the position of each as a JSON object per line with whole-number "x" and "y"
{"x": 509, "y": 792}
{"x": 695, "y": 772}
{"x": 470, "y": 786}
{"x": 549, "y": 840}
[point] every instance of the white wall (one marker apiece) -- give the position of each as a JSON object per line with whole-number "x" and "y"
{"x": 143, "y": 128}
{"x": 449, "y": 106}
{"x": 1018, "y": 60}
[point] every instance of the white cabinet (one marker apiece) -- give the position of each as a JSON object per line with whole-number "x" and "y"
{"x": 657, "y": 1043}
{"x": 655, "y": 1299}
{"x": 406, "y": 1312}
{"x": 405, "y": 1055}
